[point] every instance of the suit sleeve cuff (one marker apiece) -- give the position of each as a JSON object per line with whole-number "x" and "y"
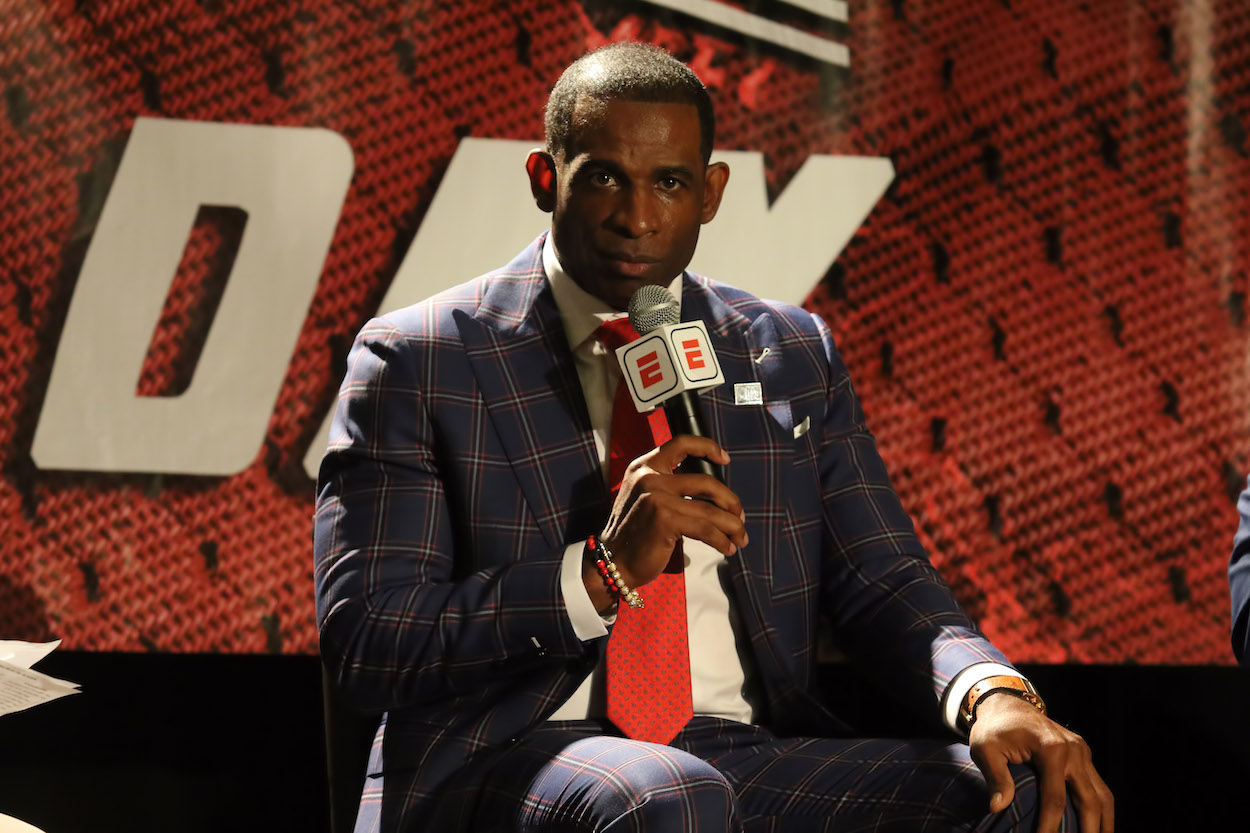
{"x": 586, "y": 621}
{"x": 963, "y": 683}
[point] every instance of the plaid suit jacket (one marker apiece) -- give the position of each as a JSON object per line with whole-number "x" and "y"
{"x": 461, "y": 464}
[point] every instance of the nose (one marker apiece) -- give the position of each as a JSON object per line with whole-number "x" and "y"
{"x": 634, "y": 213}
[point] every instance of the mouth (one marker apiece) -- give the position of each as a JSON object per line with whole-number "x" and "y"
{"x": 632, "y": 265}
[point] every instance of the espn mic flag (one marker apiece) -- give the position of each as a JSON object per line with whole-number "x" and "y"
{"x": 667, "y": 361}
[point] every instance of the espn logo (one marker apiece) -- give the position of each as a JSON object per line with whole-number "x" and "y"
{"x": 667, "y": 361}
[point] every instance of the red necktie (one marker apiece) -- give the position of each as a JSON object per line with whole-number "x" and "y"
{"x": 648, "y": 662}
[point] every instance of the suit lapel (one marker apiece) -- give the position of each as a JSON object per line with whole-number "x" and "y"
{"x": 754, "y": 473}
{"x": 517, "y": 349}
{"x": 769, "y": 578}
{"x": 736, "y": 339}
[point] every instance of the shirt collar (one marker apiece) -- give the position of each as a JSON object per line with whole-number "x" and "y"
{"x": 581, "y": 312}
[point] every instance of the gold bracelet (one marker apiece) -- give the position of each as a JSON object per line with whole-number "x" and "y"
{"x": 1015, "y": 686}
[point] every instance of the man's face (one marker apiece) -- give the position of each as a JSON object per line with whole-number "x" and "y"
{"x": 630, "y": 193}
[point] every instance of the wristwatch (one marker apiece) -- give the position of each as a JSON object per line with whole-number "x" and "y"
{"x": 1015, "y": 686}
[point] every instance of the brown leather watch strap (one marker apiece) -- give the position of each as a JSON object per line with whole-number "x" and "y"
{"x": 1015, "y": 686}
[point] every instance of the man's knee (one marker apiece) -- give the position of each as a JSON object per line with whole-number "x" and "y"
{"x": 681, "y": 786}
{"x": 630, "y": 786}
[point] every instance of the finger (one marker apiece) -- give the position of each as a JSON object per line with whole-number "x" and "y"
{"x": 997, "y": 776}
{"x": 1084, "y": 792}
{"x": 1108, "y": 805}
{"x": 1053, "y": 796}
{"x": 703, "y": 521}
{"x": 688, "y": 445}
{"x": 1094, "y": 800}
{"x": 710, "y": 492}
{"x": 704, "y": 487}
{"x": 1089, "y": 805}
{"x": 644, "y": 540}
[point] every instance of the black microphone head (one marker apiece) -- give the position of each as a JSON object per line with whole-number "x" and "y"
{"x": 651, "y": 307}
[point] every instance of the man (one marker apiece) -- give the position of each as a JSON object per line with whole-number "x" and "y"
{"x": 464, "y": 511}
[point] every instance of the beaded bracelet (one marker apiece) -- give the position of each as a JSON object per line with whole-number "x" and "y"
{"x": 611, "y": 575}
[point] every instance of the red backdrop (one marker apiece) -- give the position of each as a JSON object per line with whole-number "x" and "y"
{"x": 1044, "y": 316}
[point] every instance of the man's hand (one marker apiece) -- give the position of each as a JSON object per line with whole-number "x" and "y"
{"x": 1010, "y": 730}
{"x": 652, "y": 513}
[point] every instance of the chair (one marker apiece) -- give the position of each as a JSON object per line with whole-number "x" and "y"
{"x": 349, "y": 735}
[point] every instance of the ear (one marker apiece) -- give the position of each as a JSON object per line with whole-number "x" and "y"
{"x": 542, "y": 173}
{"x": 715, "y": 176}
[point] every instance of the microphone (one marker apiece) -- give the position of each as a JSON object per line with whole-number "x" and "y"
{"x": 668, "y": 364}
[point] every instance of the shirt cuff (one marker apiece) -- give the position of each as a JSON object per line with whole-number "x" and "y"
{"x": 959, "y": 687}
{"x": 586, "y": 621}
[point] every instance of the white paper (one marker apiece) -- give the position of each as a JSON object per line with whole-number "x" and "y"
{"x": 20, "y": 687}
{"x": 25, "y": 654}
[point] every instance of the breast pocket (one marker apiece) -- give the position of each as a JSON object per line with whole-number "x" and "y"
{"x": 765, "y": 427}
{"x": 783, "y": 415}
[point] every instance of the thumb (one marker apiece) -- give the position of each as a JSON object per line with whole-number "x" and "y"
{"x": 998, "y": 778}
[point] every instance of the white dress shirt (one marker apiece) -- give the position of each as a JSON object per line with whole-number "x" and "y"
{"x": 716, "y": 682}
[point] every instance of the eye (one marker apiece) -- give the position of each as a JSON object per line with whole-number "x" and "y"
{"x": 602, "y": 179}
{"x": 671, "y": 183}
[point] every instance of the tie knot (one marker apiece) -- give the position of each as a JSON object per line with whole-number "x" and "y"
{"x": 616, "y": 333}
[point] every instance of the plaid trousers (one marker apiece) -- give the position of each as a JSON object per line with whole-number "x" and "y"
{"x": 718, "y": 776}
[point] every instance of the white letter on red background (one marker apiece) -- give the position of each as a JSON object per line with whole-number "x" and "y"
{"x": 291, "y": 181}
